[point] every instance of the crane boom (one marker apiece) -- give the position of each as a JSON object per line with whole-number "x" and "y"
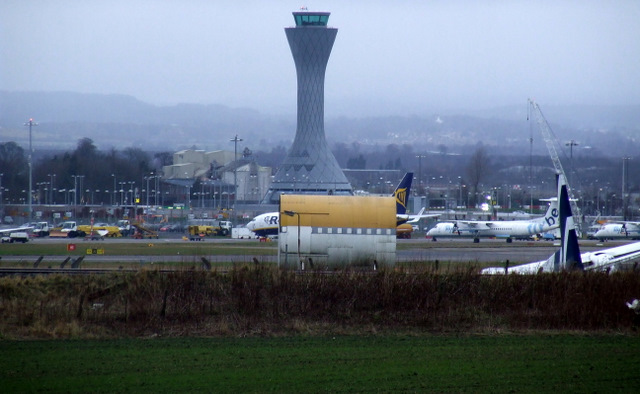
{"x": 551, "y": 142}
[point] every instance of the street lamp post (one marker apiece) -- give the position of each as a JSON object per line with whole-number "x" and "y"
{"x": 122, "y": 192}
{"x": 81, "y": 188}
{"x": 30, "y": 123}
{"x": 625, "y": 178}
{"x": 420, "y": 157}
{"x": 50, "y": 191}
{"x": 114, "y": 197}
{"x": 571, "y": 144}
{"x": 148, "y": 178}
{"x": 157, "y": 190}
{"x": 131, "y": 191}
{"x": 75, "y": 193}
{"x": 460, "y": 190}
{"x": 291, "y": 213}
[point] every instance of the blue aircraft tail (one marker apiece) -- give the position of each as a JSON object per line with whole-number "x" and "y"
{"x": 569, "y": 236}
{"x": 402, "y": 193}
{"x": 568, "y": 257}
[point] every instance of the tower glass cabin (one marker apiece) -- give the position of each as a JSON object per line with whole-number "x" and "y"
{"x": 310, "y": 167}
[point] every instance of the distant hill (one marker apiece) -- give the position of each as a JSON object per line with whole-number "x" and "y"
{"x": 122, "y": 121}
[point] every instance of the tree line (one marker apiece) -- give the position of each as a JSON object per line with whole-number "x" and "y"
{"x": 472, "y": 172}
{"x": 86, "y": 167}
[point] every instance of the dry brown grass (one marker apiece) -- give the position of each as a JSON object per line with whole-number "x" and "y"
{"x": 259, "y": 300}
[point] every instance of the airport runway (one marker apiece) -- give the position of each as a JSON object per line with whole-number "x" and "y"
{"x": 412, "y": 250}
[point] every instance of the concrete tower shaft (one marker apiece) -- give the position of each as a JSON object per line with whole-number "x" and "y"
{"x": 310, "y": 167}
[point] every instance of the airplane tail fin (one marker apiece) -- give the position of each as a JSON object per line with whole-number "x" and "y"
{"x": 569, "y": 235}
{"x": 568, "y": 257}
{"x": 551, "y": 216}
{"x": 402, "y": 193}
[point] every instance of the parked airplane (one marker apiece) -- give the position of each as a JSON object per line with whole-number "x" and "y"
{"x": 568, "y": 257}
{"x": 620, "y": 230}
{"x": 267, "y": 223}
{"x": 508, "y": 229}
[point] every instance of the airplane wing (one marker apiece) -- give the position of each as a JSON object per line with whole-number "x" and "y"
{"x": 10, "y": 230}
{"x": 420, "y": 215}
{"x": 414, "y": 218}
{"x": 623, "y": 223}
{"x": 611, "y": 258}
{"x": 473, "y": 225}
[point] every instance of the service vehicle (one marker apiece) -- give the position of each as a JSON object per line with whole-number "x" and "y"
{"x": 16, "y": 236}
{"x": 220, "y": 228}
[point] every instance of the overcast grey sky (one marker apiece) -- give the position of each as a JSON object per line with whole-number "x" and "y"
{"x": 390, "y": 57}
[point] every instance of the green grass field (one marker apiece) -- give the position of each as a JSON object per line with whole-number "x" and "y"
{"x": 407, "y": 333}
{"x": 505, "y": 363}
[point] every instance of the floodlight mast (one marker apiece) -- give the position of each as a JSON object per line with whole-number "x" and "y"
{"x": 30, "y": 123}
{"x": 235, "y": 141}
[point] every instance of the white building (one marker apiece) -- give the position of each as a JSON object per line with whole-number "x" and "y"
{"x": 194, "y": 164}
{"x": 219, "y": 168}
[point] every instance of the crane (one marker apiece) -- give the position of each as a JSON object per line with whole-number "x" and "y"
{"x": 551, "y": 142}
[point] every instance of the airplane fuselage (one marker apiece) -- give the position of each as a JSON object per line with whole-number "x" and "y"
{"x": 497, "y": 229}
{"x": 618, "y": 231}
{"x": 489, "y": 229}
{"x": 265, "y": 224}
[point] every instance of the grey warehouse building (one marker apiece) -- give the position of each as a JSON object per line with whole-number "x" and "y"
{"x": 310, "y": 167}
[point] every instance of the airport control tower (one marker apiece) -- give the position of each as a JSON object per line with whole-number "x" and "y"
{"x": 310, "y": 167}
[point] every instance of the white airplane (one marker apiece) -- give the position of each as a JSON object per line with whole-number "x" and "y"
{"x": 265, "y": 224}
{"x": 268, "y": 223}
{"x": 621, "y": 230}
{"x": 508, "y": 229}
{"x": 568, "y": 257}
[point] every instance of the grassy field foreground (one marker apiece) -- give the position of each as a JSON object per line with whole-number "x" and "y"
{"x": 506, "y": 363}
